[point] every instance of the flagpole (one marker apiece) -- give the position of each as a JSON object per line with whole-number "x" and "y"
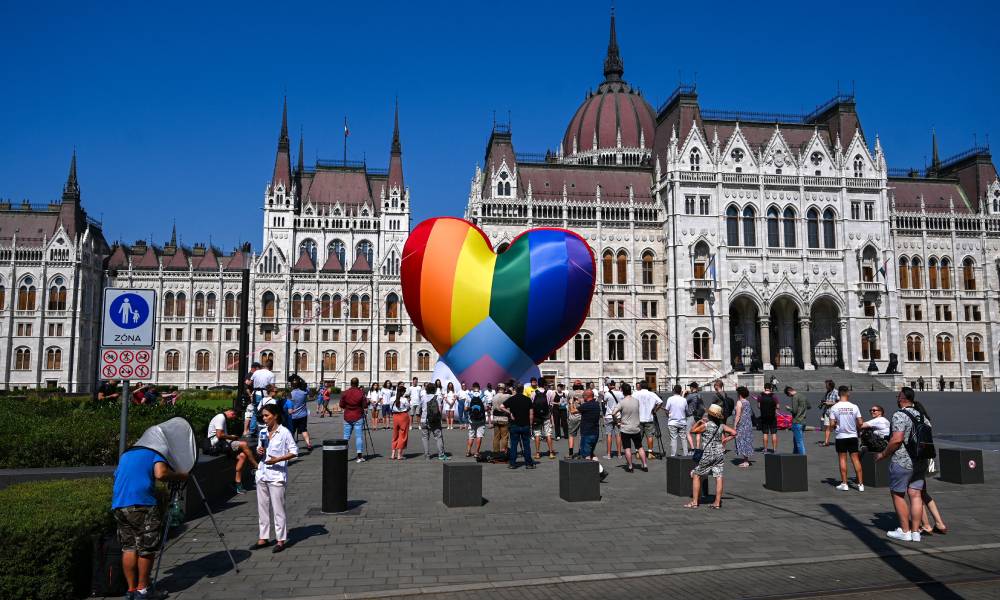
{"x": 345, "y": 140}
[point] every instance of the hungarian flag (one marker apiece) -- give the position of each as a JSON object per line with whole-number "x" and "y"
{"x": 882, "y": 270}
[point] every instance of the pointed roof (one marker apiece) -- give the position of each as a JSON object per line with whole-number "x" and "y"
{"x": 208, "y": 262}
{"x": 302, "y": 164}
{"x": 361, "y": 264}
{"x": 118, "y": 258}
{"x": 71, "y": 191}
{"x": 177, "y": 261}
{"x": 935, "y": 159}
{"x": 613, "y": 67}
{"x": 332, "y": 264}
{"x": 240, "y": 259}
{"x": 147, "y": 257}
{"x": 305, "y": 263}
{"x": 396, "y": 148}
{"x": 282, "y": 160}
{"x": 395, "y": 156}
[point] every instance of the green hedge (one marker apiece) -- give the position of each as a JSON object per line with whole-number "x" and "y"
{"x": 47, "y": 530}
{"x": 69, "y": 432}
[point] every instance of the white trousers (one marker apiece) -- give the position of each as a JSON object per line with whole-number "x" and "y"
{"x": 271, "y": 497}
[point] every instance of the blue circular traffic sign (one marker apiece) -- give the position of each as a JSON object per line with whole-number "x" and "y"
{"x": 129, "y": 311}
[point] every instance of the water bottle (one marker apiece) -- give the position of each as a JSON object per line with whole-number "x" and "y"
{"x": 175, "y": 514}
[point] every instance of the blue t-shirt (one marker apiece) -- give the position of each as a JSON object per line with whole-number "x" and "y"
{"x": 299, "y": 400}
{"x": 590, "y": 415}
{"x": 134, "y": 479}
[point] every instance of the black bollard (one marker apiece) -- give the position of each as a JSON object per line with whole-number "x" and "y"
{"x": 334, "y": 476}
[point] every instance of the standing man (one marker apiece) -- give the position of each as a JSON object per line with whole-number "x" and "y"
{"x": 906, "y": 472}
{"x": 501, "y": 439}
{"x": 541, "y": 426}
{"x": 677, "y": 421}
{"x": 573, "y": 418}
{"x": 590, "y": 419}
{"x": 476, "y": 414}
{"x": 431, "y": 422}
{"x": 260, "y": 377}
{"x": 829, "y": 400}
{"x": 723, "y": 399}
{"x": 626, "y": 413}
{"x": 612, "y": 398}
{"x": 414, "y": 392}
{"x": 354, "y": 402}
{"x": 137, "y": 514}
{"x": 560, "y": 412}
{"x": 528, "y": 390}
{"x": 847, "y": 419}
{"x": 649, "y": 402}
{"x": 695, "y": 411}
{"x": 768, "y": 406}
{"x": 519, "y": 410}
{"x": 799, "y": 407}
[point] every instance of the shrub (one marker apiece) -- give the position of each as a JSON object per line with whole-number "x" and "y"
{"x": 48, "y": 529}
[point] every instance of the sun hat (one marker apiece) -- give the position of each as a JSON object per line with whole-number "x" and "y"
{"x": 715, "y": 410}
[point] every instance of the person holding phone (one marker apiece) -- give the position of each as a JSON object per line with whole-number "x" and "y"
{"x": 275, "y": 448}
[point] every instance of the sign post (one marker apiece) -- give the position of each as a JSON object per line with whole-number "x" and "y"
{"x": 128, "y": 334}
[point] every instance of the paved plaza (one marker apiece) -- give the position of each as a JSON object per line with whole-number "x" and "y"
{"x": 399, "y": 540}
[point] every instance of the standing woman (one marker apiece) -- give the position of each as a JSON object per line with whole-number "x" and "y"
{"x": 930, "y": 506}
{"x": 450, "y": 401}
{"x": 275, "y": 448}
{"x": 400, "y": 422}
{"x": 743, "y": 420}
{"x": 387, "y": 398}
{"x": 715, "y": 433}
{"x": 375, "y": 404}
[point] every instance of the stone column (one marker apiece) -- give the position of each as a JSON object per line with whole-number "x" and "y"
{"x": 765, "y": 343}
{"x": 807, "y": 362}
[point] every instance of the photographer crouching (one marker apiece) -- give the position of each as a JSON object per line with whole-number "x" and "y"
{"x": 137, "y": 514}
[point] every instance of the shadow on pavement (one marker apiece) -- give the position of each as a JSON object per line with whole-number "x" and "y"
{"x": 299, "y": 534}
{"x": 185, "y": 575}
{"x": 888, "y": 554}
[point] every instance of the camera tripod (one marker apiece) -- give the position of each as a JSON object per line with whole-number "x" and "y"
{"x": 175, "y": 490}
{"x": 366, "y": 433}
{"x": 659, "y": 435}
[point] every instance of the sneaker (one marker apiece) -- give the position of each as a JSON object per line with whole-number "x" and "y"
{"x": 629, "y": 469}
{"x": 239, "y": 490}
{"x": 552, "y": 455}
{"x": 861, "y": 487}
{"x": 903, "y": 536}
{"x": 607, "y": 457}
{"x": 843, "y": 487}
{"x": 644, "y": 468}
{"x": 531, "y": 466}
{"x": 914, "y": 536}
{"x": 537, "y": 456}
{"x": 604, "y": 475}
{"x": 443, "y": 457}
{"x": 360, "y": 459}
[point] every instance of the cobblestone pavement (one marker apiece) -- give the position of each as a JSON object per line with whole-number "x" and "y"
{"x": 398, "y": 538}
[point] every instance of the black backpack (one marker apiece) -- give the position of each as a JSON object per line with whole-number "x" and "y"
{"x": 433, "y": 417}
{"x": 541, "y": 406}
{"x": 477, "y": 411}
{"x": 920, "y": 445}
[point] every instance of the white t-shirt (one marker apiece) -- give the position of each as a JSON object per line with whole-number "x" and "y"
{"x": 388, "y": 396}
{"x": 611, "y": 401}
{"x": 449, "y": 400}
{"x": 424, "y": 399}
{"x": 880, "y": 425}
{"x": 676, "y": 409}
{"x": 267, "y": 400}
{"x": 414, "y": 394}
{"x": 648, "y": 401}
{"x": 373, "y": 397}
{"x": 404, "y": 405}
{"x": 280, "y": 444}
{"x": 847, "y": 415}
{"x": 262, "y": 378}
{"x": 218, "y": 423}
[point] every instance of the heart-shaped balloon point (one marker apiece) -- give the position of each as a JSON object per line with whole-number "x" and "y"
{"x": 494, "y": 317}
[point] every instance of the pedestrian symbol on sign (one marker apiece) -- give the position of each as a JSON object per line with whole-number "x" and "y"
{"x": 129, "y": 311}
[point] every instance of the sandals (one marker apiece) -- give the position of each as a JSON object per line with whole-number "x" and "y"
{"x": 716, "y": 506}
{"x": 690, "y": 505}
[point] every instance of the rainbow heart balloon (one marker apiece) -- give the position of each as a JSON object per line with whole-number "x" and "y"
{"x": 494, "y": 317}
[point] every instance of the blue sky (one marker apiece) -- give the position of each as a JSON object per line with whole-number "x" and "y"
{"x": 174, "y": 108}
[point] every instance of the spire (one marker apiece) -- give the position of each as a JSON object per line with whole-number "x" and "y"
{"x": 282, "y": 160}
{"x": 396, "y": 157}
{"x": 396, "y": 148}
{"x": 283, "y": 136}
{"x": 173, "y": 234}
{"x": 71, "y": 191}
{"x": 302, "y": 164}
{"x": 935, "y": 160}
{"x": 613, "y": 68}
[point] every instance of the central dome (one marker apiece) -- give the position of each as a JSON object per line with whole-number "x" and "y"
{"x": 615, "y": 117}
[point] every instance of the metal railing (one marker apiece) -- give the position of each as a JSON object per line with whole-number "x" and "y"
{"x": 973, "y": 151}
{"x": 683, "y": 88}
{"x": 348, "y": 164}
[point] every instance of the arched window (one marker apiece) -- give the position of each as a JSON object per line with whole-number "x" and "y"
{"x": 607, "y": 267}
{"x": 423, "y": 360}
{"x": 647, "y": 267}
{"x": 201, "y": 359}
{"x": 366, "y": 307}
{"x": 932, "y": 273}
{"x": 3, "y": 297}
{"x": 232, "y": 360}
{"x": 199, "y": 305}
{"x": 172, "y": 361}
{"x": 392, "y": 306}
{"x": 773, "y": 240}
{"x": 701, "y": 343}
{"x": 168, "y": 304}
{"x": 904, "y": 273}
{"x": 229, "y": 306}
{"x": 616, "y": 346}
{"x": 307, "y": 307}
{"x": 622, "y": 267}
{"x": 391, "y": 361}
{"x": 945, "y": 274}
{"x": 26, "y": 297}
{"x": 869, "y": 264}
{"x": 301, "y": 361}
{"x": 358, "y": 361}
{"x": 57, "y": 297}
{"x": 22, "y": 359}
{"x": 859, "y": 166}
{"x": 829, "y": 229}
{"x": 581, "y": 346}
{"x": 869, "y": 347}
{"x": 788, "y": 227}
{"x": 296, "y": 306}
{"x": 339, "y": 248}
{"x": 267, "y": 358}
{"x": 355, "y": 307}
{"x": 329, "y": 360}
{"x": 732, "y": 226}
{"x": 916, "y": 274}
{"x": 366, "y": 249}
{"x": 336, "y": 307}
{"x": 812, "y": 228}
{"x": 309, "y": 247}
{"x": 649, "y": 346}
{"x": 695, "y": 159}
{"x": 506, "y": 188}
{"x": 974, "y": 348}
{"x": 944, "y": 348}
{"x": 914, "y": 348}
{"x": 210, "y": 306}
{"x": 701, "y": 260}
{"x": 268, "y": 305}
{"x": 749, "y": 227}
{"x": 968, "y": 274}
{"x": 53, "y": 359}
{"x": 324, "y": 306}
{"x": 180, "y": 305}
{"x": 499, "y": 188}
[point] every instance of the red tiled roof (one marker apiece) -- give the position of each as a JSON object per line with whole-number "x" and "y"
{"x": 118, "y": 258}
{"x": 936, "y": 194}
{"x": 208, "y": 262}
{"x": 332, "y": 264}
{"x": 239, "y": 260}
{"x": 582, "y": 181}
{"x": 361, "y": 265}
{"x": 177, "y": 261}
{"x": 614, "y": 106}
{"x": 305, "y": 263}
{"x": 329, "y": 186}
{"x": 146, "y": 259}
